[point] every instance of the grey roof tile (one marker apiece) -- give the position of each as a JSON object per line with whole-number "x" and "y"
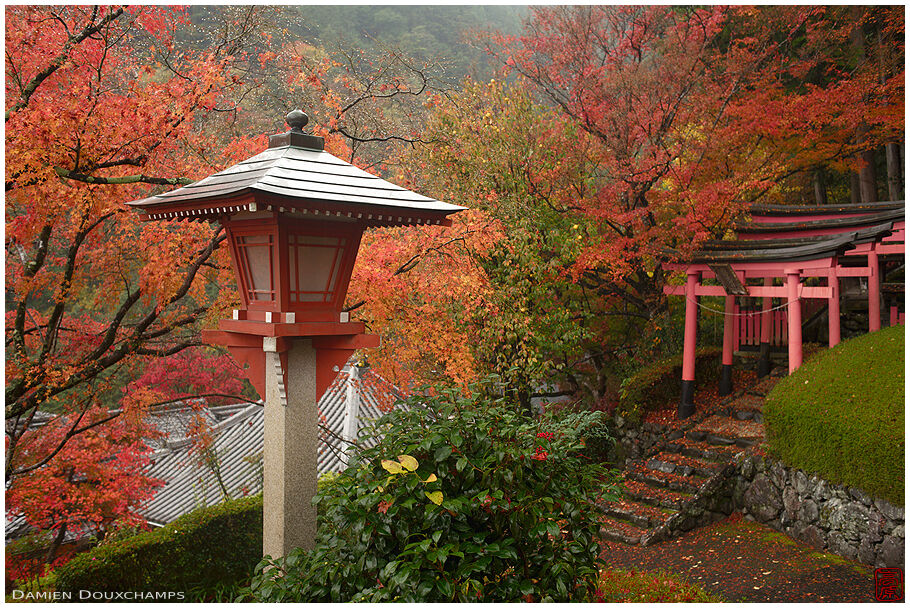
{"x": 238, "y": 444}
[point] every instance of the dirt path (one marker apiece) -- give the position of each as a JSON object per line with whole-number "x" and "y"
{"x": 746, "y": 561}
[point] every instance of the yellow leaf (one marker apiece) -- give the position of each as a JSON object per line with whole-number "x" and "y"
{"x": 408, "y": 462}
{"x": 392, "y": 467}
{"x": 432, "y": 477}
{"x": 435, "y": 497}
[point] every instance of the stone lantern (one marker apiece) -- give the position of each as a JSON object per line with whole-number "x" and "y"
{"x": 294, "y": 215}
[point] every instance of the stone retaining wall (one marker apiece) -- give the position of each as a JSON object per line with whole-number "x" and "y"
{"x": 835, "y": 518}
{"x": 830, "y": 517}
{"x": 635, "y": 441}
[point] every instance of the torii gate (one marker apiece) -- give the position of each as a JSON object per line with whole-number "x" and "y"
{"x": 825, "y": 243}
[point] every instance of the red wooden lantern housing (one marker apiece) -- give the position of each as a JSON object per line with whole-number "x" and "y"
{"x": 294, "y": 215}
{"x": 291, "y": 264}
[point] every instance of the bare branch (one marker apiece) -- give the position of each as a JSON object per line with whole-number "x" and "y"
{"x": 126, "y": 179}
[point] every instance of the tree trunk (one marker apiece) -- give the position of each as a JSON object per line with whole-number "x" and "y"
{"x": 895, "y": 175}
{"x": 855, "y": 196}
{"x": 890, "y": 67}
{"x": 55, "y": 546}
{"x": 821, "y": 191}
{"x": 868, "y": 192}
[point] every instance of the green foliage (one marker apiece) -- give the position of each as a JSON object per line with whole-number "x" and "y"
{"x": 841, "y": 415}
{"x": 659, "y": 382}
{"x": 203, "y": 552}
{"x": 464, "y": 499}
{"x": 660, "y": 586}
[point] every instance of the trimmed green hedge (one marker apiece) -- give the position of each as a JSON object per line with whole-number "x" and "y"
{"x": 207, "y": 549}
{"x": 841, "y": 415}
{"x": 659, "y": 382}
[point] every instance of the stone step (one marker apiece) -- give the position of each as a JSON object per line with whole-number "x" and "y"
{"x": 683, "y": 464}
{"x": 721, "y": 430}
{"x": 641, "y": 492}
{"x": 747, "y": 407}
{"x": 636, "y": 513}
{"x": 747, "y": 415}
{"x": 702, "y": 450}
{"x": 748, "y": 403}
{"x": 617, "y": 530}
{"x": 639, "y": 471}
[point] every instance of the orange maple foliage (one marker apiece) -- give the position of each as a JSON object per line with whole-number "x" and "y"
{"x": 422, "y": 288}
{"x": 98, "y": 109}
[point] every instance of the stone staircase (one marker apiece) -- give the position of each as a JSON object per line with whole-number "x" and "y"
{"x": 670, "y": 491}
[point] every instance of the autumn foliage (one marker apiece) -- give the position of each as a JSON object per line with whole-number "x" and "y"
{"x": 101, "y": 106}
{"x": 624, "y": 132}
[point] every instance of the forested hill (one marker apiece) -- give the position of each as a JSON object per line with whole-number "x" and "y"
{"x": 436, "y": 34}
{"x": 424, "y": 32}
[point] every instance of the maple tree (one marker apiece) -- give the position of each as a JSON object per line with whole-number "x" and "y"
{"x": 534, "y": 321}
{"x": 95, "y": 482}
{"x": 194, "y": 375}
{"x": 91, "y": 122}
{"x": 699, "y": 111}
{"x": 631, "y": 130}
{"x": 419, "y": 289}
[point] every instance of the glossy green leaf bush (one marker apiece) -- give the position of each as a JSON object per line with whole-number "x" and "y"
{"x": 465, "y": 499}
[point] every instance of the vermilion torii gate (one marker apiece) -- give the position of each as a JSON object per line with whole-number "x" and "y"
{"x": 778, "y": 252}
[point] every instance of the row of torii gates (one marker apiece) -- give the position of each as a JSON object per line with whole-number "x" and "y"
{"x": 792, "y": 252}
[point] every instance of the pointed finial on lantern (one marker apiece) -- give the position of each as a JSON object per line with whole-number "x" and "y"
{"x": 297, "y": 120}
{"x": 296, "y": 138}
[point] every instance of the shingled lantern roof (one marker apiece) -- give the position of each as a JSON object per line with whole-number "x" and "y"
{"x": 296, "y": 175}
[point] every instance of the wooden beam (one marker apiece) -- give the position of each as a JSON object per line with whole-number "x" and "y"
{"x": 759, "y": 269}
{"x": 858, "y": 271}
{"x": 754, "y": 291}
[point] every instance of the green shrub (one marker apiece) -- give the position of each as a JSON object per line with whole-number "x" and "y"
{"x": 841, "y": 415}
{"x": 207, "y": 549}
{"x": 659, "y": 382}
{"x": 464, "y": 499}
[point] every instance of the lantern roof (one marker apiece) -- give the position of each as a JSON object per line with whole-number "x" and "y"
{"x": 295, "y": 174}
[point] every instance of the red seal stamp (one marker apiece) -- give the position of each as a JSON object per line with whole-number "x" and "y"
{"x": 889, "y": 584}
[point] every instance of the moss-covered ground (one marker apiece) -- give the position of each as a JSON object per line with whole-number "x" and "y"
{"x": 841, "y": 415}
{"x": 744, "y": 561}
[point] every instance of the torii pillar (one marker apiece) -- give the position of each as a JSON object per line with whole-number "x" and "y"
{"x": 794, "y": 322}
{"x": 764, "y": 348}
{"x": 833, "y": 308}
{"x": 686, "y": 402}
{"x": 726, "y": 370}
{"x": 875, "y": 308}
